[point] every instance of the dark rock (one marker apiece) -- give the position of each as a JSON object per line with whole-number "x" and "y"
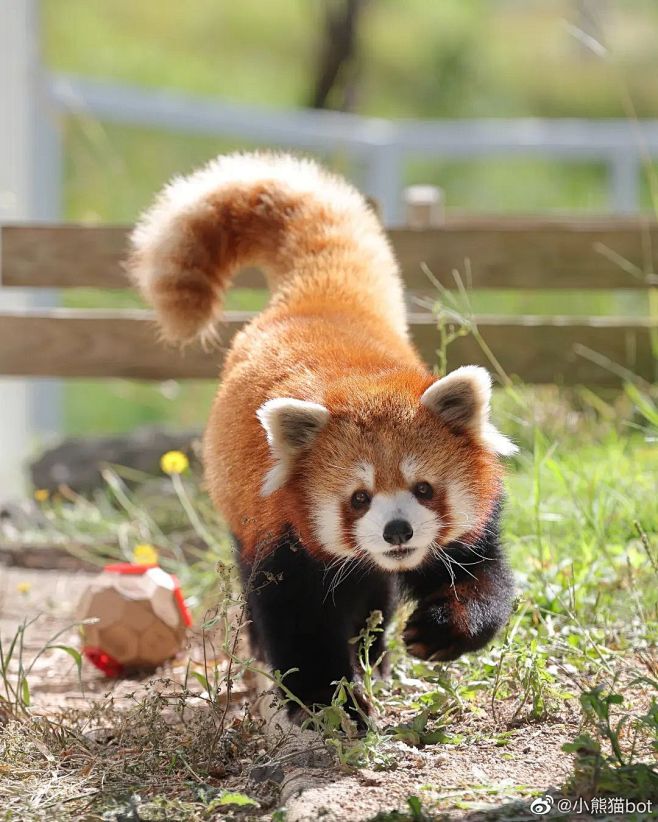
{"x": 77, "y": 461}
{"x": 20, "y": 515}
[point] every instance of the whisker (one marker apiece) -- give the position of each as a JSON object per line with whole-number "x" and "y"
{"x": 453, "y": 561}
{"x": 353, "y": 567}
{"x": 438, "y": 553}
{"x": 446, "y": 558}
{"x": 341, "y": 575}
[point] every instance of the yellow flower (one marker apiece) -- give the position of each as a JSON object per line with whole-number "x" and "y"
{"x": 174, "y": 462}
{"x": 145, "y": 554}
{"x": 24, "y": 587}
{"x": 41, "y": 494}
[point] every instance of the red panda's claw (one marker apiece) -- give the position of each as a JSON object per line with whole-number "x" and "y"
{"x": 431, "y": 634}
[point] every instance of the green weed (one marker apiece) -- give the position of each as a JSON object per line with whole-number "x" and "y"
{"x": 15, "y": 668}
{"x": 610, "y": 756}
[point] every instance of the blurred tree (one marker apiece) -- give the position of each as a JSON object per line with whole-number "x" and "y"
{"x": 336, "y": 72}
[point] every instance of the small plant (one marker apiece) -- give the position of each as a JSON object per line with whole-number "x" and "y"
{"x": 538, "y": 684}
{"x": 15, "y": 670}
{"x": 456, "y": 318}
{"x": 365, "y": 640}
{"x": 436, "y": 709}
{"x": 646, "y": 408}
{"x": 609, "y": 755}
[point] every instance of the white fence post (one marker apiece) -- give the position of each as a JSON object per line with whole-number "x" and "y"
{"x": 29, "y": 169}
{"x": 424, "y": 206}
{"x": 383, "y": 180}
{"x": 624, "y": 182}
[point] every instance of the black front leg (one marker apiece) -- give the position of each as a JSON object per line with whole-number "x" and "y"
{"x": 300, "y": 622}
{"x": 461, "y": 602}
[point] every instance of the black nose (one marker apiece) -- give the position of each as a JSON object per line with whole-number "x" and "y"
{"x": 398, "y": 531}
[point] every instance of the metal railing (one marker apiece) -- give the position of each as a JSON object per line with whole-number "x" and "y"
{"x": 379, "y": 148}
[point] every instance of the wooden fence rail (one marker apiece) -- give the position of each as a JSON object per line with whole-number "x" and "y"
{"x": 607, "y": 253}
{"x": 528, "y": 254}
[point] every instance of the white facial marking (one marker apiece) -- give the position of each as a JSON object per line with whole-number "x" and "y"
{"x": 462, "y": 508}
{"x": 369, "y": 529}
{"x": 364, "y": 475}
{"x": 328, "y": 526}
{"x": 409, "y": 469}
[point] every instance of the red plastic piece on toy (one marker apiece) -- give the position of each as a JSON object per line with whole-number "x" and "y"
{"x": 182, "y": 607}
{"x": 129, "y": 568}
{"x": 104, "y": 662}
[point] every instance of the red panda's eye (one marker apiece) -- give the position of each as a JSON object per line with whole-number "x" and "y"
{"x": 360, "y": 499}
{"x": 423, "y": 490}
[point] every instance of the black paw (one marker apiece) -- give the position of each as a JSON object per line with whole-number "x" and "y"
{"x": 444, "y": 632}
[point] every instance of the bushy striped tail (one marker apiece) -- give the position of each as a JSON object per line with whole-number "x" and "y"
{"x": 273, "y": 211}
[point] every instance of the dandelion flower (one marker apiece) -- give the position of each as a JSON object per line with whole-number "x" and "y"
{"x": 41, "y": 494}
{"x": 174, "y": 462}
{"x": 145, "y": 554}
{"x": 24, "y": 587}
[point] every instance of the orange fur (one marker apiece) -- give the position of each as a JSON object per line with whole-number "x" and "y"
{"x": 334, "y": 334}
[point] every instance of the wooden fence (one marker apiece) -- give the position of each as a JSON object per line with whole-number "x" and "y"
{"x": 521, "y": 254}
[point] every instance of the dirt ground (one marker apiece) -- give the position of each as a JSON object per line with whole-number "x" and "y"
{"x": 481, "y": 775}
{"x": 486, "y": 773}
{"x": 25, "y": 593}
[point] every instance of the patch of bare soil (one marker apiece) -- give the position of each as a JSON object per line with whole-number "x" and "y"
{"x": 481, "y": 773}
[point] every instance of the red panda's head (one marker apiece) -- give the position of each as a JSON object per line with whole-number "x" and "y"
{"x": 391, "y": 468}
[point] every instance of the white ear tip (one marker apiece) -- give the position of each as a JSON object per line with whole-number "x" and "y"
{"x": 498, "y": 443}
{"x": 479, "y": 378}
{"x": 281, "y": 404}
{"x": 478, "y": 375}
{"x": 475, "y": 370}
{"x": 507, "y": 448}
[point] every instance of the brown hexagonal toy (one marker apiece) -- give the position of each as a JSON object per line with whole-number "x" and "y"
{"x": 142, "y": 618}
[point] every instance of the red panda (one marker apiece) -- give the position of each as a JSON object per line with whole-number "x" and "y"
{"x": 348, "y": 474}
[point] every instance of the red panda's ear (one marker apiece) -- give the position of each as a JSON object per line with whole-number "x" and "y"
{"x": 291, "y": 426}
{"x": 462, "y": 400}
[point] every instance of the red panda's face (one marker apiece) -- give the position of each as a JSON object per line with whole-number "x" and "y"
{"x": 388, "y": 475}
